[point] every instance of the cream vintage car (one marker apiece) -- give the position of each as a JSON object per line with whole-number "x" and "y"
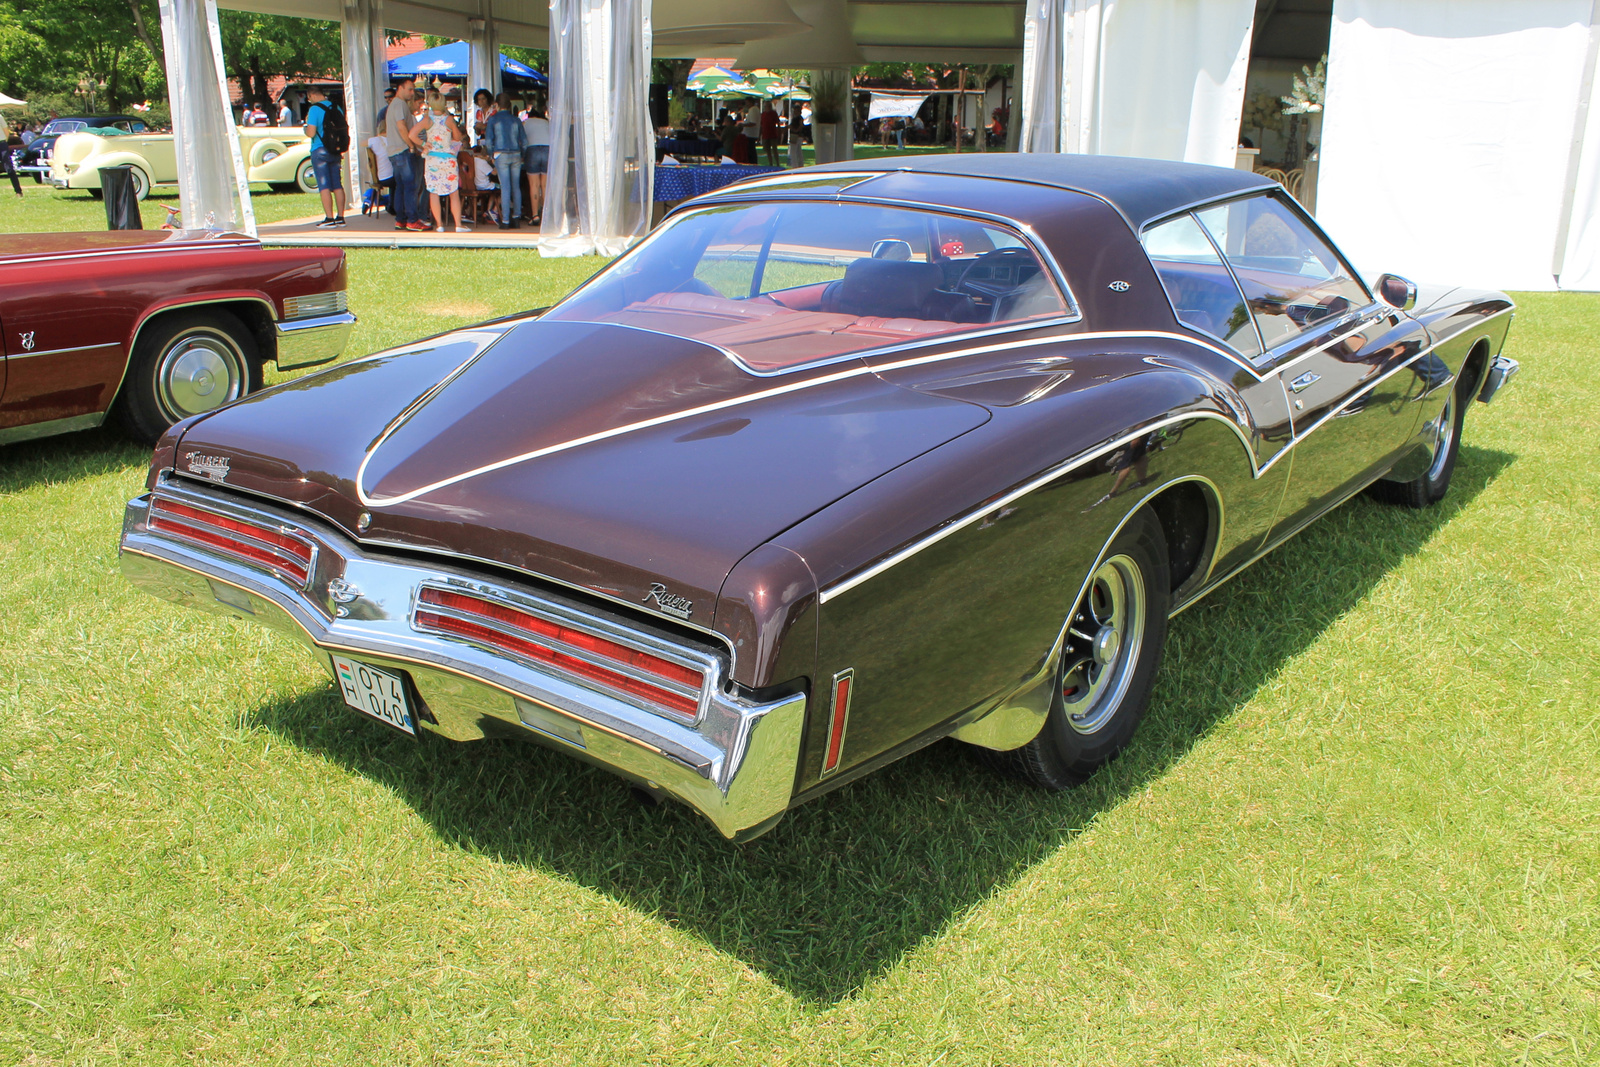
{"x": 277, "y": 155}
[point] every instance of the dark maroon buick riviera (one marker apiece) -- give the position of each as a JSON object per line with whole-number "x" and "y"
{"x": 835, "y": 464}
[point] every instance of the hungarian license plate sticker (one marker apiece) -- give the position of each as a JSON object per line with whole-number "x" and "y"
{"x": 373, "y": 692}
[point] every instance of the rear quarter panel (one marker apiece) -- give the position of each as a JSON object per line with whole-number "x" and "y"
{"x": 941, "y": 635}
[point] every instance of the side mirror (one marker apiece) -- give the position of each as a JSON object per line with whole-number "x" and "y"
{"x": 1397, "y": 292}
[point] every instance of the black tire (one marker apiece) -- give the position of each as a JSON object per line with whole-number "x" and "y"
{"x": 186, "y": 363}
{"x": 1429, "y": 488}
{"x": 283, "y": 187}
{"x": 96, "y": 194}
{"x": 1102, "y": 684}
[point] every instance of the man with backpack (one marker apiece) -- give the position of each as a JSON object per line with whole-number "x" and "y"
{"x": 330, "y": 140}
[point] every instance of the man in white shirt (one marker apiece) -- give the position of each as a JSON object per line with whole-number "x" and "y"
{"x": 285, "y": 112}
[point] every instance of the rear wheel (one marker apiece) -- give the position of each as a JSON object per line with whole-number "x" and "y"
{"x": 186, "y": 364}
{"x": 305, "y": 178}
{"x": 1429, "y": 488}
{"x": 141, "y": 183}
{"x": 1108, "y": 662}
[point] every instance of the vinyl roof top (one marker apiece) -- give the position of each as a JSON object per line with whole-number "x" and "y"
{"x": 1141, "y": 189}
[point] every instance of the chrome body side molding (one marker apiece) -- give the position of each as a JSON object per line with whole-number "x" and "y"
{"x": 12, "y": 434}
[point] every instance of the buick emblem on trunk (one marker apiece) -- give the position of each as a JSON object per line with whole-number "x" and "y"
{"x": 671, "y": 603}
{"x": 342, "y": 592}
{"x": 213, "y": 467}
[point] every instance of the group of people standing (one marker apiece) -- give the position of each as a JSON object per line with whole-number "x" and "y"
{"x": 422, "y": 149}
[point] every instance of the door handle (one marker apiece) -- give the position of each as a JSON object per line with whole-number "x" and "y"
{"x": 1304, "y": 382}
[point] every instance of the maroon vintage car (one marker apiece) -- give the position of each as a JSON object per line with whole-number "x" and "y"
{"x": 154, "y": 326}
{"x": 835, "y": 464}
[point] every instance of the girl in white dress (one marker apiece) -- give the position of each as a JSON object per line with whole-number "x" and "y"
{"x": 440, "y": 171}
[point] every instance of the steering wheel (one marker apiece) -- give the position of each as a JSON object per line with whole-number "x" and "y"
{"x": 1021, "y": 265}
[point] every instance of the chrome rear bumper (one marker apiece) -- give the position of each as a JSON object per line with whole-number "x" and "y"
{"x": 735, "y": 764}
{"x": 308, "y": 342}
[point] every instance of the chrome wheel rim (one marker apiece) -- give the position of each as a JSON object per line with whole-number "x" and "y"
{"x": 1444, "y": 437}
{"x": 1102, "y": 645}
{"x": 201, "y": 370}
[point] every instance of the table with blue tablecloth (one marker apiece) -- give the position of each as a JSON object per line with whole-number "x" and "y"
{"x": 680, "y": 183}
{"x": 689, "y": 146}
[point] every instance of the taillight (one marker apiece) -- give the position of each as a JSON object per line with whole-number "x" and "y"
{"x": 631, "y": 671}
{"x": 843, "y": 683}
{"x": 264, "y": 546}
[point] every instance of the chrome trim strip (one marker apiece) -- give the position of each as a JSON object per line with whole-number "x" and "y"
{"x": 1366, "y": 324}
{"x": 61, "y": 351}
{"x": 1006, "y": 499}
{"x": 228, "y": 241}
{"x": 1061, "y": 468}
{"x": 865, "y": 353}
{"x": 10, "y": 435}
{"x": 1335, "y": 412}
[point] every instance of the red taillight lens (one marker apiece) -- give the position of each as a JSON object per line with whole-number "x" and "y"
{"x": 843, "y": 683}
{"x": 551, "y": 643}
{"x": 249, "y": 541}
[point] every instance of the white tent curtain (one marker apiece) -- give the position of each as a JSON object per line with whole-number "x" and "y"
{"x": 1448, "y": 136}
{"x": 366, "y": 71}
{"x": 598, "y": 196}
{"x": 213, "y": 189}
{"x": 483, "y": 43}
{"x": 1578, "y": 259}
{"x": 1039, "y": 124}
{"x": 1158, "y": 78}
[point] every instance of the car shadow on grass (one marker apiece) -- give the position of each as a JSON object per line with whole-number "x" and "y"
{"x": 847, "y": 884}
{"x": 68, "y": 457}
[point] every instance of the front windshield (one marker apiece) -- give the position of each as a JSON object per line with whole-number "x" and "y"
{"x": 782, "y": 284}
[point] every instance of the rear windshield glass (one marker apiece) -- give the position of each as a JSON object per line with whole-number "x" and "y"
{"x": 782, "y": 284}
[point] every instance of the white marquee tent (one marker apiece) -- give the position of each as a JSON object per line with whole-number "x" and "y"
{"x": 1459, "y": 143}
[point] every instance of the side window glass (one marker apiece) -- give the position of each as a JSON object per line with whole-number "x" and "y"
{"x": 1198, "y": 283}
{"x": 1291, "y": 279}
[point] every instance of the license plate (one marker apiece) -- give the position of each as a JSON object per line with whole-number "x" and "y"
{"x": 373, "y": 692}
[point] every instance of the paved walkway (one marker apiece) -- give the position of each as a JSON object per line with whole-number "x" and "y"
{"x": 377, "y": 231}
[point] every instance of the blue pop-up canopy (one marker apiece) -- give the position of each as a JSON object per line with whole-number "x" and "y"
{"x": 452, "y": 60}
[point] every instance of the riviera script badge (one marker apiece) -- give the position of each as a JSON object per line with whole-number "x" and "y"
{"x": 213, "y": 467}
{"x": 671, "y": 603}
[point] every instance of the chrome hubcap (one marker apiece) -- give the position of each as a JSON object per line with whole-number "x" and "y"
{"x": 1102, "y": 645}
{"x": 199, "y": 372}
{"x": 1444, "y": 436}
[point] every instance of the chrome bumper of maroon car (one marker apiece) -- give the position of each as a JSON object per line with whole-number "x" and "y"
{"x": 734, "y": 763}
{"x": 308, "y": 342}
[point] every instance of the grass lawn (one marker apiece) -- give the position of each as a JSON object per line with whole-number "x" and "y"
{"x": 1361, "y": 824}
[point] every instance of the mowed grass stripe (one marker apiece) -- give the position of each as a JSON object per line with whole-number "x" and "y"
{"x": 1357, "y": 827}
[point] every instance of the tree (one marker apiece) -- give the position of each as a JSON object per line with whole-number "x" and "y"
{"x": 91, "y": 48}
{"x": 257, "y": 47}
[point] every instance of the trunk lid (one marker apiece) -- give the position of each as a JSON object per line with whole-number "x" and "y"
{"x": 600, "y": 456}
